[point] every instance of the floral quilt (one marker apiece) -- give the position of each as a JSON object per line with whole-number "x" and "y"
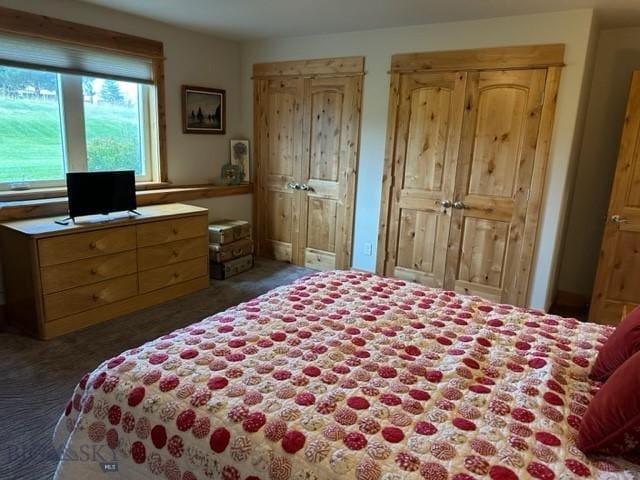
{"x": 344, "y": 375}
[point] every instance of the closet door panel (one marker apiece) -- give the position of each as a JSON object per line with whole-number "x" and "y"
{"x": 494, "y": 181}
{"x": 280, "y": 118}
{"x": 331, "y": 123}
{"x": 427, "y": 133}
{"x": 501, "y": 112}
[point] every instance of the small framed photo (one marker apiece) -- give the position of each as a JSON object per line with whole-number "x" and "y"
{"x": 203, "y": 110}
{"x": 240, "y": 156}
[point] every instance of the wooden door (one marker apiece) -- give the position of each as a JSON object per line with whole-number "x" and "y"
{"x": 278, "y": 116}
{"x": 617, "y": 279}
{"x": 331, "y": 127}
{"x": 427, "y": 123}
{"x": 491, "y": 247}
{"x": 306, "y": 133}
{"x": 477, "y": 140}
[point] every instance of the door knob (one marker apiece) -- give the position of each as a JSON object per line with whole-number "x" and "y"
{"x": 459, "y": 205}
{"x": 305, "y": 187}
{"x": 293, "y": 185}
{"x": 618, "y": 219}
{"x": 444, "y": 203}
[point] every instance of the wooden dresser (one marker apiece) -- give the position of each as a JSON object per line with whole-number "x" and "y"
{"x": 62, "y": 278}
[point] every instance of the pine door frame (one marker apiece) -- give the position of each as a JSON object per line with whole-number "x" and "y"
{"x": 549, "y": 57}
{"x": 311, "y": 69}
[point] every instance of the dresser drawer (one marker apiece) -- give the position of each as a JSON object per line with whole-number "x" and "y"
{"x": 172, "y": 252}
{"x": 171, "y": 274}
{"x": 56, "y": 278}
{"x": 76, "y": 300}
{"x": 67, "y": 248}
{"x": 171, "y": 230}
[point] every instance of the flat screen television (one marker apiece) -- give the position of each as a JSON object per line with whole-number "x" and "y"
{"x": 92, "y": 193}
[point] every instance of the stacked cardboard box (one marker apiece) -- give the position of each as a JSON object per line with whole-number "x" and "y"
{"x": 230, "y": 248}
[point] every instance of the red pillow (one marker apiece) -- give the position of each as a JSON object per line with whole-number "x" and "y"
{"x": 623, "y": 342}
{"x": 611, "y": 424}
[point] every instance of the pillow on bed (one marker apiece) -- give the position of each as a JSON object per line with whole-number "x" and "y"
{"x": 611, "y": 424}
{"x": 622, "y": 344}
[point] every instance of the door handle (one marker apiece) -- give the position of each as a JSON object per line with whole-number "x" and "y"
{"x": 444, "y": 203}
{"x": 459, "y": 205}
{"x": 305, "y": 187}
{"x": 618, "y": 219}
{"x": 293, "y": 185}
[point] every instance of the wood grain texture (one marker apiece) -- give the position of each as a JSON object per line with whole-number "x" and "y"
{"x": 23, "y": 209}
{"x": 161, "y": 277}
{"x": 172, "y": 252}
{"x": 82, "y": 299}
{"x": 278, "y": 143}
{"x": 505, "y": 103}
{"x": 331, "y": 136}
{"x": 536, "y": 190}
{"x": 87, "y": 271}
{"x": 527, "y": 56}
{"x": 498, "y": 173}
{"x": 426, "y": 136}
{"x": 72, "y": 323}
{"x": 165, "y": 231}
{"x": 314, "y": 67}
{"x": 49, "y": 28}
{"x": 387, "y": 174}
{"x": 66, "y": 277}
{"x": 306, "y": 130}
{"x": 161, "y": 120}
{"x": 617, "y": 281}
{"x": 67, "y": 248}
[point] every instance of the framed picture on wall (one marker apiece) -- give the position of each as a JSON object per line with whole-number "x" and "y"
{"x": 203, "y": 110}
{"x": 240, "y": 156}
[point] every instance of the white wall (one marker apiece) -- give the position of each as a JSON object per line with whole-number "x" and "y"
{"x": 572, "y": 28}
{"x": 618, "y": 54}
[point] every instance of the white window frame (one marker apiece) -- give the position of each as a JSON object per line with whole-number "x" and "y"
{"x": 74, "y": 144}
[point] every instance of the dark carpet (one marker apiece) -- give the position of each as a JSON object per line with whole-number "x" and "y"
{"x": 37, "y": 378}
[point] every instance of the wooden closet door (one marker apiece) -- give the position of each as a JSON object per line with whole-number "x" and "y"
{"x": 617, "y": 281}
{"x": 491, "y": 245}
{"x": 331, "y": 126}
{"x": 426, "y": 115}
{"x": 279, "y": 162}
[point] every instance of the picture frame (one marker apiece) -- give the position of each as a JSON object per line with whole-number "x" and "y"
{"x": 204, "y": 110}
{"x": 239, "y": 155}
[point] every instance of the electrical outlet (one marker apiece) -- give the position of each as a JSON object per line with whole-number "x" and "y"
{"x": 368, "y": 249}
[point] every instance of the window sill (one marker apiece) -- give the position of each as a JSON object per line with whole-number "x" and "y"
{"x": 51, "y": 201}
{"x": 59, "y": 192}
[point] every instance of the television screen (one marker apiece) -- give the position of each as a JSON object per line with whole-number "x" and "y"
{"x": 91, "y": 193}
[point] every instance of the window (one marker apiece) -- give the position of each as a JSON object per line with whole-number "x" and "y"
{"x": 31, "y": 140}
{"x": 114, "y": 123}
{"x": 77, "y": 98}
{"x": 54, "y": 123}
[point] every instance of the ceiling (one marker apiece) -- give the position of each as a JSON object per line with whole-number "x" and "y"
{"x": 255, "y": 19}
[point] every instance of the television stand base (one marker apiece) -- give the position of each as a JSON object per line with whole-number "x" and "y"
{"x": 64, "y": 222}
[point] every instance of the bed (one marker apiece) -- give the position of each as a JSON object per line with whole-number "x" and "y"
{"x": 344, "y": 375}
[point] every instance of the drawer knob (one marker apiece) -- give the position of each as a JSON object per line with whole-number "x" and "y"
{"x": 93, "y": 245}
{"x": 176, "y": 275}
{"x": 94, "y": 271}
{"x": 175, "y": 231}
{"x": 174, "y": 253}
{"x": 95, "y": 297}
